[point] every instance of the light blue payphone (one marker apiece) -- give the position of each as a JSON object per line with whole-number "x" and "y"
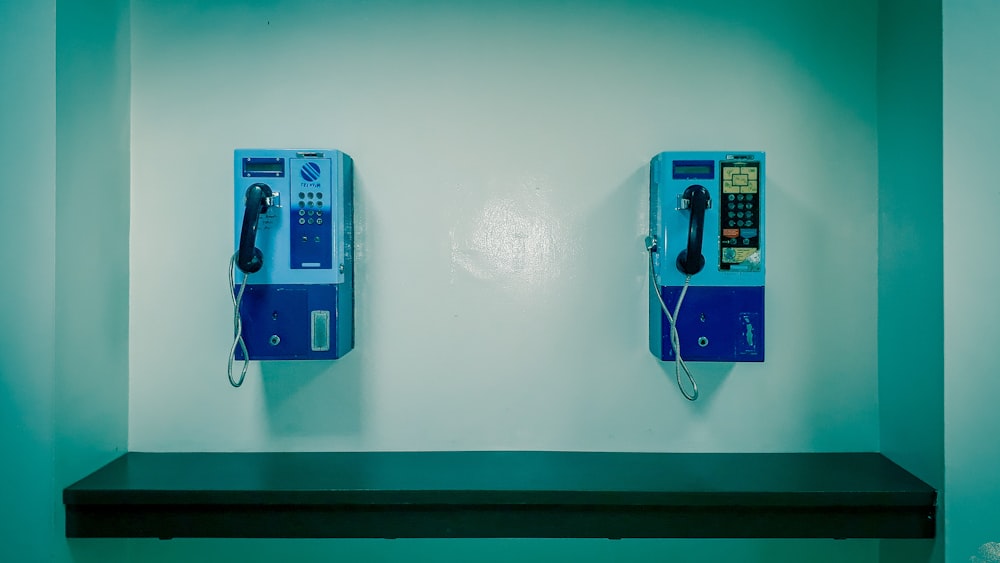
{"x": 706, "y": 258}
{"x": 294, "y": 225}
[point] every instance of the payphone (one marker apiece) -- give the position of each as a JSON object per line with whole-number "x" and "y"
{"x": 294, "y": 246}
{"x": 706, "y": 258}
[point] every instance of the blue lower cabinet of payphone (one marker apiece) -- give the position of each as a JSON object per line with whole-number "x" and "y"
{"x": 721, "y": 318}
{"x": 299, "y": 303}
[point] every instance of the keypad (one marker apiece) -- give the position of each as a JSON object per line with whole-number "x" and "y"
{"x": 310, "y": 209}
{"x": 740, "y": 218}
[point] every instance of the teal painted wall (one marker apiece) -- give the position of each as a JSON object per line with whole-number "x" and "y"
{"x": 92, "y": 249}
{"x": 971, "y": 201}
{"x": 27, "y": 305}
{"x": 910, "y": 261}
{"x": 910, "y": 275}
{"x": 497, "y": 551}
{"x": 64, "y": 305}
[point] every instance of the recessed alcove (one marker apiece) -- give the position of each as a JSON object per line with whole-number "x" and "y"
{"x": 463, "y": 119}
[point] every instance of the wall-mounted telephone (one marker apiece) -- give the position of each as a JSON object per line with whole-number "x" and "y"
{"x": 706, "y": 258}
{"x": 294, "y": 240}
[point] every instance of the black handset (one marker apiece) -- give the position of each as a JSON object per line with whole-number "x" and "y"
{"x": 690, "y": 261}
{"x": 249, "y": 258}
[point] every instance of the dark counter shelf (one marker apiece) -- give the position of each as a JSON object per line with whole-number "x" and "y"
{"x": 501, "y": 494}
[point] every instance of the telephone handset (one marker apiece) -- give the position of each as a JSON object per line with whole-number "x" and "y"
{"x": 697, "y": 200}
{"x": 295, "y": 300}
{"x": 259, "y": 198}
{"x": 706, "y": 258}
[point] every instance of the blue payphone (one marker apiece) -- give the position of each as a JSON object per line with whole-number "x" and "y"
{"x": 706, "y": 258}
{"x": 294, "y": 238}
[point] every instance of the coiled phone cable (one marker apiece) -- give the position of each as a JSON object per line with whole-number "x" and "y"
{"x": 675, "y": 343}
{"x": 237, "y": 298}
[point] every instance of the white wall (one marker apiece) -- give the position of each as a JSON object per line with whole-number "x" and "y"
{"x": 971, "y": 276}
{"x": 501, "y": 157}
{"x": 502, "y": 166}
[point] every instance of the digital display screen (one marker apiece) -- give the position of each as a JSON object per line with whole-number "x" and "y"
{"x": 269, "y": 167}
{"x": 700, "y": 169}
{"x": 689, "y": 169}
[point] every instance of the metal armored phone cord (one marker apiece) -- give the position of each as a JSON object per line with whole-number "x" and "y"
{"x": 237, "y": 324}
{"x": 675, "y": 343}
